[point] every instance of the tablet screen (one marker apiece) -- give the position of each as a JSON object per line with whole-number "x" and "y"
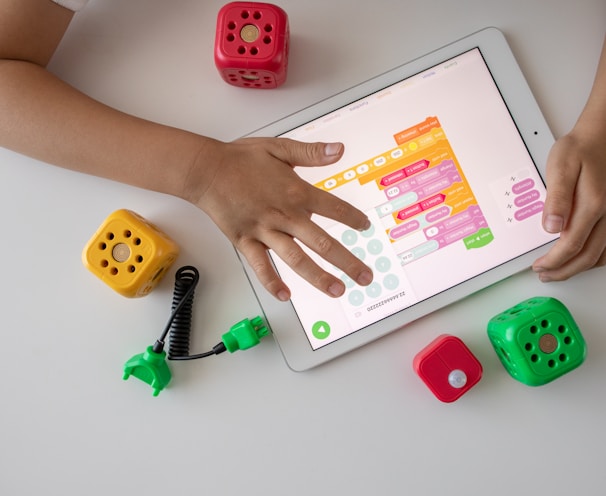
{"x": 438, "y": 165}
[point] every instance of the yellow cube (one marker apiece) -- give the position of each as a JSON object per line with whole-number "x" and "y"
{"x": 129, "y": 254}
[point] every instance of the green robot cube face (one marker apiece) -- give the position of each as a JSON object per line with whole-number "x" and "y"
{"x": 537, "y": 340}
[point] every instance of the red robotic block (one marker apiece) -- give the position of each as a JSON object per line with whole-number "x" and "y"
{"x": 448, "y": 368}
{"x": 251, "y": 44}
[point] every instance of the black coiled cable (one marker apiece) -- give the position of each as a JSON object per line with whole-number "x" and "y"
{"x": 186, "y": 280}
{"x": 179, "y": 323}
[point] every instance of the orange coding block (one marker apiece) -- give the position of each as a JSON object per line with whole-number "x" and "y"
{"x": 129, "y": 254}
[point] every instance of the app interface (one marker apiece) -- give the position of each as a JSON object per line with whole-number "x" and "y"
{"x": 439, "y": 167}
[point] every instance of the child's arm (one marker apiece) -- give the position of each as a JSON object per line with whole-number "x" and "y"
{"x": 576, "y": 191}
{"x": 247, "y": 187}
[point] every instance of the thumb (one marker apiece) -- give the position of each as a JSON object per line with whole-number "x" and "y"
{"x": 562, "y": 174}
{"x": 297, "y": 153}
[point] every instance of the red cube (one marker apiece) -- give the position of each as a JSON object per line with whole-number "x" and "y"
{"x": 251, "y": 44}
{"x": 448, "y": 368}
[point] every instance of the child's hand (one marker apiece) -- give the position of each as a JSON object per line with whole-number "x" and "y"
{"x": 260, "y": 203}
{"x": 575, "y": 205}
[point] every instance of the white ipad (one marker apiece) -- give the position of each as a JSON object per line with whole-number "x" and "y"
{"x": 446, "y": 156}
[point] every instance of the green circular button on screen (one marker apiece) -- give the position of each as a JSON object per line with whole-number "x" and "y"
{"x": 320, "y": 329}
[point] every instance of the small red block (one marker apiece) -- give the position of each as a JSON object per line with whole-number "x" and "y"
{"x": 448, "y": 368}
{"x": 252, "y": 44}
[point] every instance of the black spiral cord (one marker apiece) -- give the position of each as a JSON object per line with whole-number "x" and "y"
{"x": 179, "y": 323}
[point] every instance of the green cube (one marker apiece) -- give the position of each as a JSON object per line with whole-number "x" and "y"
{"x": 537, "y": 340}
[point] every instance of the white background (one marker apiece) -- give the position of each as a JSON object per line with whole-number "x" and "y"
{"x": 244, "y": 423}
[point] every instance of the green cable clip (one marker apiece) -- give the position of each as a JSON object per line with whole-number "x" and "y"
{"x": 150, "y": 367}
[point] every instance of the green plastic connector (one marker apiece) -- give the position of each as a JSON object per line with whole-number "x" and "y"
{"x": 245, "y": 334}
{"x": 150, "y": 367}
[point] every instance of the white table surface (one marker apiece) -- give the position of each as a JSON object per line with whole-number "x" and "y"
{"x": 244, "y": 423}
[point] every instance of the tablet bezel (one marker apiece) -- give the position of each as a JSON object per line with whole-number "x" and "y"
{"x": 281, "y": 317}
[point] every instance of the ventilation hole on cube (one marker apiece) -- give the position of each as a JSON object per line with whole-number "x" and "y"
{"x": 528, "y": 346}
{"x": 139, "y": 259}
{"x": 561, "y": 329}
{"x": 231, "y": 37}
{"x": 110, "y": 235}
{"x": 257, "y": 15}
{"x": 102, "y": 246}
{"x": 267, "y": 40}
{"x": 567, "y": 340}
{"x": 113, "y": 271}
{"x": 268, "y": 28}
{"x": 131, "y": 268}
{"x": 137, "y": 241}
{"x": 104, "y": 263}
{"x": 231, "y": 25}
{"x": 562, "y": 357}
{"x": 533, "y": 329}
{"x": 534, "y": 358}
{"x": 254, "y": 51}
{"x": 245, "y": 14}
{"x": 551, "y": 364}
{"x": 544, "y": 324}
{"x": 127, "y": 234}
{"x": 504, "y": 354}
{"x": 241, "y": 50}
